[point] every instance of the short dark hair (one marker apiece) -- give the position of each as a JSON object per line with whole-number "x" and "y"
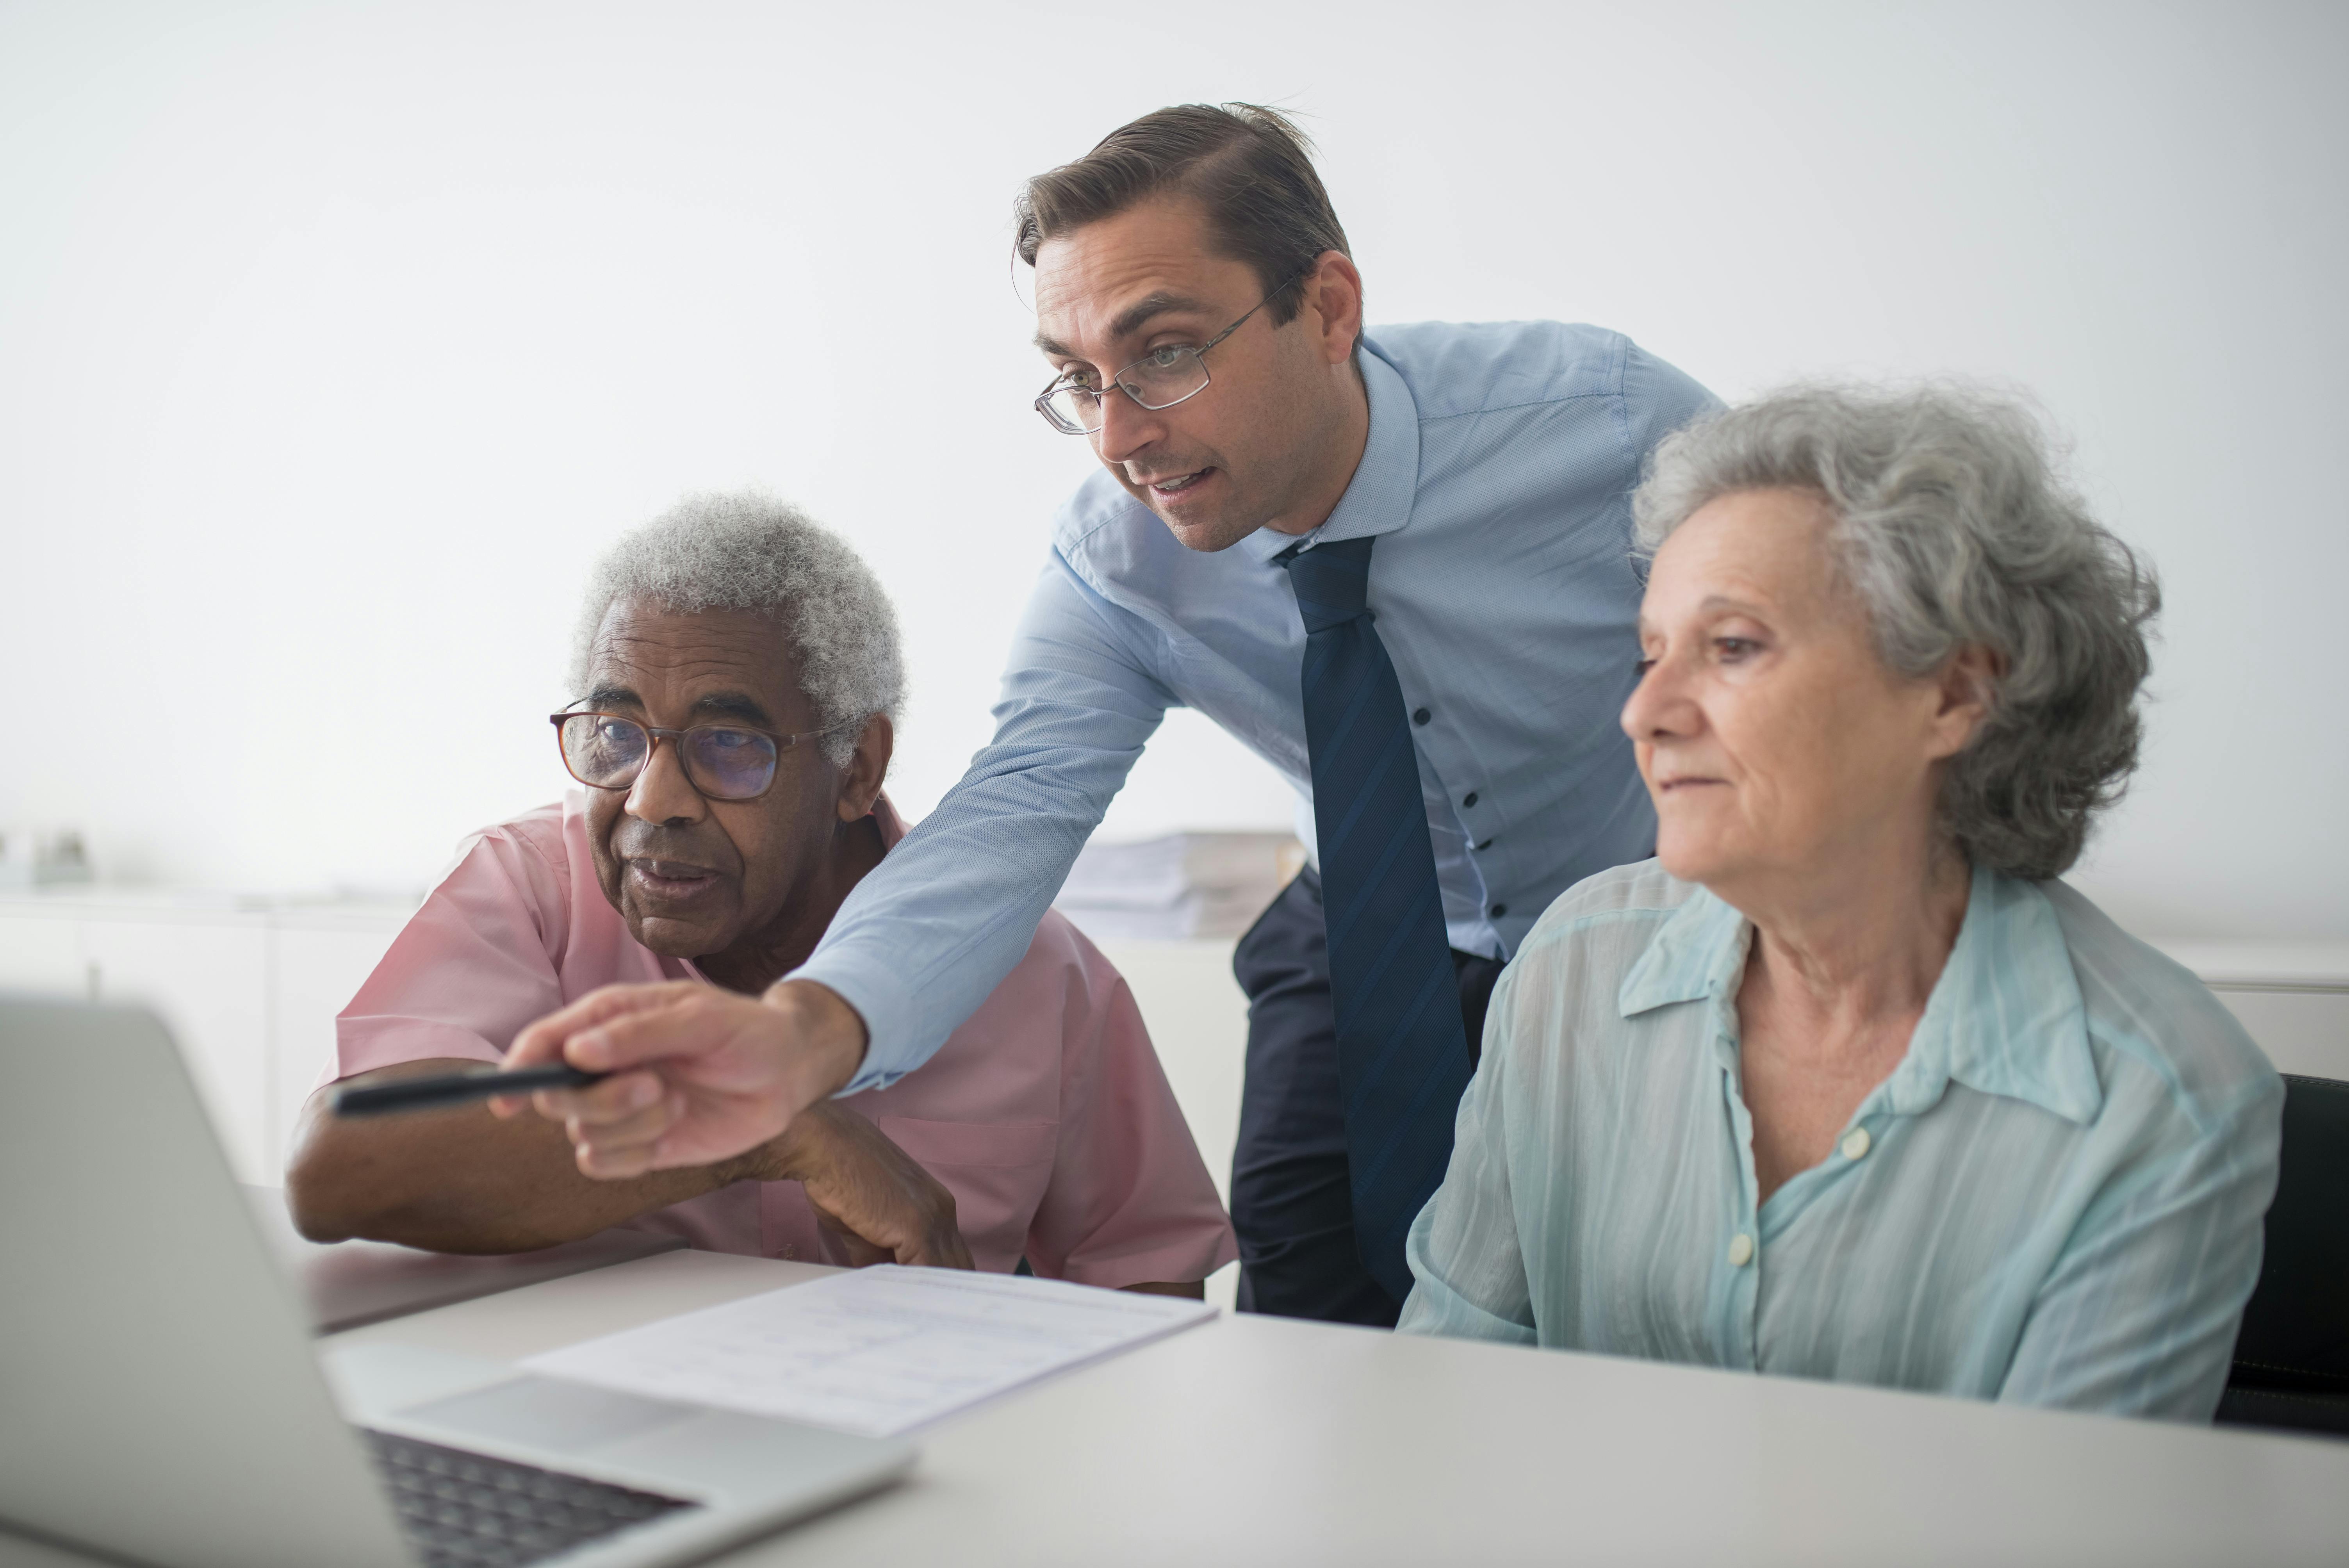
{"x": 1246, "y": 164}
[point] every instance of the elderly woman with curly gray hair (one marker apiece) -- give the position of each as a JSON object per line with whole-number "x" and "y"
{"x": 1843, "y": 1083}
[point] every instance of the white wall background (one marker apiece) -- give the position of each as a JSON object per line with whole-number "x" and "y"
{"x": 335, "y": 339}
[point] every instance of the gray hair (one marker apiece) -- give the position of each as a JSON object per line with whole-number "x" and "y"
{"x": 1952, "y": 525}
{"x": 747, "y": 551}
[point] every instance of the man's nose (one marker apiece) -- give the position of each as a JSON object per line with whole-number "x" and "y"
{"x": 1127, "y": 427}
{"x": 662, "y": 793}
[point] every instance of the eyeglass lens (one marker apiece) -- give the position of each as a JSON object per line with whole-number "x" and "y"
{"x": 723, "y": 764}
{"x": 1157, "y": 380}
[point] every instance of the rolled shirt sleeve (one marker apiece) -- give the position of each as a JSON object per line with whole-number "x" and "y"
{"x": 472, "y": 966}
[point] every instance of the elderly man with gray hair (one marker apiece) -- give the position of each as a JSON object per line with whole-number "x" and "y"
{"x": 738, "y": 679}
{"x": 1845, "y": 1084}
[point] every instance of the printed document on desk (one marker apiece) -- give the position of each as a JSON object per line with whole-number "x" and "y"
{"x": 877, "y": 1351}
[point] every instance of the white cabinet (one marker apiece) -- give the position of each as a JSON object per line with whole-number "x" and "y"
{"x": 38, "y": 953}
{"x": 250, "y": 993}
{"x": 2292, "y": 997}
{"x": 1197, "y": 1017}
{"x": 318, "y": 963}
{"x": 208, "y": 979}
{"x": 2303, "y": 1031}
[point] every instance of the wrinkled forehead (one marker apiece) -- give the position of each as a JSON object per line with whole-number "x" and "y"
{"x": 1103, "y": 283}
{"x": 663, "y": 656}
{"x": 1766, "y": 549}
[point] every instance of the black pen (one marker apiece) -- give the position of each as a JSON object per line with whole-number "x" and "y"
{"x": 455, "y": 1088}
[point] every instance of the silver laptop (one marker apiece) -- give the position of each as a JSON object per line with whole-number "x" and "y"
{"x": 159, "y": 1400}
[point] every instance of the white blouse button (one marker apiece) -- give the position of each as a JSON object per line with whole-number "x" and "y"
{"x": 1856, "y": 1143}
{"x": 1741, "y": 1251}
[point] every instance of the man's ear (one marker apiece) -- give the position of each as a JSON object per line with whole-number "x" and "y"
{"x": 1965, "y": 686}
{"x": 1333, "y": 292}
{"x": 867, "y": 766}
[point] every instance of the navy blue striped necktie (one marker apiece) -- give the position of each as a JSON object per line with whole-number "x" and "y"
{"x": 1402, "y": 1050}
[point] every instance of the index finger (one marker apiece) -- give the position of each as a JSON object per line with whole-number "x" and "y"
{"x": 541, "y": 1042}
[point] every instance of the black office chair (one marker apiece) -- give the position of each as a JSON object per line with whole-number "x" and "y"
{"x": 2291, "y": 1358}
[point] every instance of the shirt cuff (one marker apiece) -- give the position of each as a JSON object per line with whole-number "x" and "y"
{"x": 894, "y": 1026}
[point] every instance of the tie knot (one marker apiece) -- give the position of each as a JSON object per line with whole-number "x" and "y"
{"x": 1332, "y": 580}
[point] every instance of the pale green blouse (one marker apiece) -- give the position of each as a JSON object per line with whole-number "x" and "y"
{"x": 2055, "y": 1199}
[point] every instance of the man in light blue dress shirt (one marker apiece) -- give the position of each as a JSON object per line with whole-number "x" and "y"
{"x": 1202, "y": 321}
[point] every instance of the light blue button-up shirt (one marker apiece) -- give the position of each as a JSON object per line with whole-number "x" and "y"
{"x": 2055, "y": 1199}
{"x": 1498, "y": 476}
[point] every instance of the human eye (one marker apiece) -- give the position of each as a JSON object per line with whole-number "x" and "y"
{"x": 614, "y": 731}
{"x": 1735, "y": 650}
{"x": 1166, "y": 356}
{"x": 1640, "y": 667}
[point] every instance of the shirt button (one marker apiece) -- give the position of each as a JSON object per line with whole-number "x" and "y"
{"x": 1469, "y": 800}
{"x": 1499, "y": 910}
{"x": 1741, "y": 1251}
{"x": 1856, "y": 1143}
{"x": 1421, "y": 715}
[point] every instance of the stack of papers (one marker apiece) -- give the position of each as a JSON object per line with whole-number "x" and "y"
{"x": 1182, "y": 885}
{"x": 876, "y": 1351}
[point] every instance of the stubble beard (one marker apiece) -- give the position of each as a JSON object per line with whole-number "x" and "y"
{"x": 1209, "y": 535}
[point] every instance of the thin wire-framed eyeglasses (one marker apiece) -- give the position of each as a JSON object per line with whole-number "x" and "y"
{"x": 1159, "y": 379}
{"x": 723, "y": 761}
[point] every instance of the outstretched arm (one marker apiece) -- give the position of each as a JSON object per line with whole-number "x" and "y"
{"x": 461, "y": 1180}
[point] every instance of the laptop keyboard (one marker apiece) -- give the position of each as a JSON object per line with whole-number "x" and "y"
{"x": 460, "y": 1509}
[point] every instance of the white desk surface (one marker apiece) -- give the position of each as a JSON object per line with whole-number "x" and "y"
{"x": 346, "y": 1284}
{"x": 1252, "y": 1439}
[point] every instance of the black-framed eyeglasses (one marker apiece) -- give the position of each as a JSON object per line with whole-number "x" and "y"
{"x": 1159, "y": 379}
{"x": 724, "y": 761}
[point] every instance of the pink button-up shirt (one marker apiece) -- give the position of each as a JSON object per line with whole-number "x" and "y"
{"x": 1046, "y": 1114}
